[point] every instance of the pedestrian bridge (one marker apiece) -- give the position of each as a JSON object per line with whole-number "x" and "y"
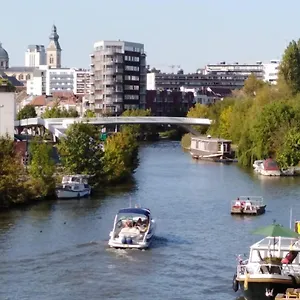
{"x": 58, "y": 126}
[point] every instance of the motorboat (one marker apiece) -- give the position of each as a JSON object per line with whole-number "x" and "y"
{"x": 248, "y": 205}
{"x": 267, "y": 167}
{"x": 133, "y": 228}
{"x": 273, "y": 266}
{"x": 73, "y": 186}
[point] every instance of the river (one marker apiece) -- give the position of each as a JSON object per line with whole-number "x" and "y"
{"x": 58, "y": 249}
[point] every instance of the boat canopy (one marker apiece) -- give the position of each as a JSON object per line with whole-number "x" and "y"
{"x": 140, "y": 211}
{"x": 277, "y": 243}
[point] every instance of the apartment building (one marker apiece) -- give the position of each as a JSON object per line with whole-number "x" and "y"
{"x": 82, "y": 84}
{"x": 271, "y": 71}
{"x": 118, "y": 76}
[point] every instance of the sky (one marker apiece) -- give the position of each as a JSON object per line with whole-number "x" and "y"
{"x": 185, "y": 33}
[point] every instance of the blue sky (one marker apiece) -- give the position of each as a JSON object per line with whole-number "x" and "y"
{"x": 189, "y": 33}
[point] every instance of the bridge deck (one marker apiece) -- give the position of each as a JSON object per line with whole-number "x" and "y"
{"x": 59, "y": 125}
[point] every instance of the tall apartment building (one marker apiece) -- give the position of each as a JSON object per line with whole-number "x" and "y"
{"x": 82, "y": 84}
{"x": 118, "y": 76}
{"x": 271, "y": 71}
{"x": 35, "y": 56}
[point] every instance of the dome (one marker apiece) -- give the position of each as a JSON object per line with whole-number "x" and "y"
{"x": 3, "y": 53}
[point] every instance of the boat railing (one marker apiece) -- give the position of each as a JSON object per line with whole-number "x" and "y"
{"x": 253, "y": 201}
{"x": 265, "y": 268}
{"x": 147, "y": 231}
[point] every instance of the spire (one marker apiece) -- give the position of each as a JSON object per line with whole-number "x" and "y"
{"x": 54, "y": 36}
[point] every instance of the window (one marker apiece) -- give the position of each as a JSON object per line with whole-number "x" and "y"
{"x": 131, "y": 97}
{"x": 2, "y": 64}
{"x": 21, "y": 77}
{"x": 132, "y": 68}
{"x": 27, "y": 76}
{"x": 51, "y": 59}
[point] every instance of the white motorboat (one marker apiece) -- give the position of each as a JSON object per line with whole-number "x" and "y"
{"x": 267, "y": 167}
{"x": 257, "y": 165}
{"x": 133, "y": 228}
{"x": 272, "y": 267}
{"x": 73, "y": 186}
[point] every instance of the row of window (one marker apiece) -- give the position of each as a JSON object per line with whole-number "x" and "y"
{"x": 132, "y": 77}
{"x": 132, "y": 58}
{"x": 132, "y": 68}
{"x": 132, "y": 87}
{"x": 131, "y": 97}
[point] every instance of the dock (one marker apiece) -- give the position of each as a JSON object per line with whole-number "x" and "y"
{"x": 289, "y": 294}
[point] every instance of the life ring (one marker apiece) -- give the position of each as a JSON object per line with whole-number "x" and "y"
{"x": 235, "y": 283}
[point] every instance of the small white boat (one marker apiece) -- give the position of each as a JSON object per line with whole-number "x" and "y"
{"x": 133, "y": 228}
{"x": 267, "y": 167}
{"x": 73, "y": 186}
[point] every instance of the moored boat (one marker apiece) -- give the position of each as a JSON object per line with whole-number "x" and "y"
{"x": 267, "y": 167}
{"x": 273, "y": 267}
{"x": 133, "y": 228}
{"x": 248, "y": 205}
{"x": 73, "y": 186}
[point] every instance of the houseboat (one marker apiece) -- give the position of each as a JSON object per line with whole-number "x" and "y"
{"x": 214, "y": 149}
{"x": 248, "y": 205}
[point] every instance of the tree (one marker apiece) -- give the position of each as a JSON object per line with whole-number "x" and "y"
{"x": 198, "y": 111}
{"x": 12, "y": 189}
{"x": 289, "y": 70}
{"x": 225, "y": 123}
{"x": 42, "y": 166}
{"x": 9, "y": 86}
{"x": 28, "y": 111}
{"x": 81, "y": 150}
{"x": 289, "y": 154}
{"x": 89, "y": 114}
{"x": 120, "y": 156}
{"x": 57, "y": 112}
{"x": 252, "y": 85}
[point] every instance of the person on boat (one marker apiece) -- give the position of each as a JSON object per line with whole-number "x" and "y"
{"x": 238, "y": 203}
{"x": 248, "y": 205}
{"x": 289, "y": 258}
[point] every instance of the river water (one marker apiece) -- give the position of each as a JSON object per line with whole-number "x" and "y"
{"x": 58, "y": 250}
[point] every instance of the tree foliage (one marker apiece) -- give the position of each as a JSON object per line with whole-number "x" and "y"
{"x": 120, "y": 156}
{"x": 57, "y": 112}
{"x": 289, "y": 70}
{"x": 81, "y": 150}
{"x": 42, "y": 166}
{"x": 89, "y": 114}
{"x": 28, "y": 111}
{"x": 252, "y": 85}
{"x": 11, "y": 171}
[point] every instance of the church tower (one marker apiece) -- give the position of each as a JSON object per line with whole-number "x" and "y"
{"x": 54, "y": 50}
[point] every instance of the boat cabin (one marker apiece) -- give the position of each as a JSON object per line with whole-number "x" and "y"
{"x": 270, "y": 165}
{"x": 211, "y": 145}
{"x": 73, "y": 179}
{"x": 268, "y": 250}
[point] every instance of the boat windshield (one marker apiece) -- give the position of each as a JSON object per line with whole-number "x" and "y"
{"x": 133, "y": 219}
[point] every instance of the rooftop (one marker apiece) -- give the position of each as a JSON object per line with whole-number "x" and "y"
{"x": 210, "y": 139}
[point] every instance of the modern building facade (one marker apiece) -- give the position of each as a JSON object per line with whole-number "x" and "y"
{"x": 271, "y": 71}
{"x": 173, "y": 82}
{"x": 54, "y": 50}
{"x": 59, "y": 79}
{"x": 35, "y": 56}
{"x": 82, "y": 84}
{"x": 118, "y": 76}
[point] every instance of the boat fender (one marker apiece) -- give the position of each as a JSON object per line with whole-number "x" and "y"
{"x": 294, "y": 281}
{"x": 235, "y": 283}
{"x": 123, "y": 241}
{"x": 78, "y": 195}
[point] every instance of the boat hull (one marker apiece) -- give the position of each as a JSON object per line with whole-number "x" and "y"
{"x": 258, "y": 211}
{"x": 257, "y": 290}
{"x": 69, "y": 194}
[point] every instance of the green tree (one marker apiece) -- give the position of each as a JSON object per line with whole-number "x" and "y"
{"x": 120, "y": 156}
{"x": 289, "y": 153}
{"x": 57, "y": 112}
{"x": 89, "y": 114}
{"x": 252, "y": 85}
{"x": 9, "y": 87}
{"x": 28, "y": 111}
{"x": 199, "y": 111}
{"x": 42, "y": 166}
{"x": 289, "y": 70}
{"x": 81, "y": 150}
{"x": 12, "y": 189}
{"x": 225, "y": 123}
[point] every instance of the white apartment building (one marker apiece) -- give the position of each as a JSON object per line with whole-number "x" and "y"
{"x": 118, "y": 76}
{"x": 47, "y": 80}
{"x": 35, "y": 56}
{"x": 271, "y": 71}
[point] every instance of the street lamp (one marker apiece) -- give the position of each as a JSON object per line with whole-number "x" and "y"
{"x": 1, "y": 106}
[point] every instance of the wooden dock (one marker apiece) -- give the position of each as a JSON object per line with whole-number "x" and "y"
{"x": 289, "y": 294}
